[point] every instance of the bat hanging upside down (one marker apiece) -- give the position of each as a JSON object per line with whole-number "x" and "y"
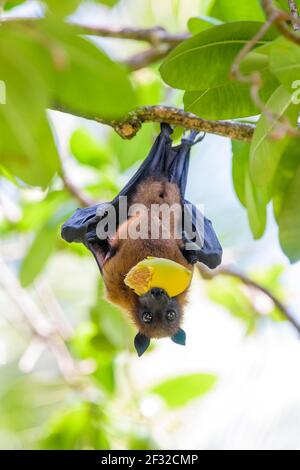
{"x": 121, "y": 238}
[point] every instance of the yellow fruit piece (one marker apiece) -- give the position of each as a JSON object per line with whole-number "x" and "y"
{"x": 158, "y": 272}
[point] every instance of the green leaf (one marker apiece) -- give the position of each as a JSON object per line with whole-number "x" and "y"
{"x": 285, "y": 62}
{"x": 284, "y": 5}
{"x": 9, "y": 4}
{"x": 177, "y": 134}
{"x": 43, "y": 245}
{"x": 108, "y": 3}
{"x": 141, "y": 441}
{"x": 289, "y": 220}
{"x": 205, "y": 60}
{"x": 62, "y": 8}
{"x": 149, "y": 88}
{"x": 232, "y": 99}
{"x": 27, "y": 151}
{"x": 83, "y": 70}
{"x": 229, "y": 292}
{"x": 231, "y": 10}
{"x": 196, "y": 24}
{"x": 89, "y": 341}
{"x": 256, "y": 203}
{"x": 130, "y": 151}
{"x": 240, "y": 164}
{"x": 19, "y": 391}
{"x": 88, "y": 150}
{"x": 38, "y": 254}
{"x": 105, "y": 373}
{"x": 285, "y": 174}
{"x": 270, "y": 277}
{"x": 4, "y": 172}
{"x": 112, "y": 323}
{"x": 266, "y": 151}
{"x": 80, "y": 427}
{"x": 229, "y": 100}
{"x": 37, "y": 213}
{"x": 253, "y": 198}
{"x": 179, "y": 391}
{"x": 27, "y": 147}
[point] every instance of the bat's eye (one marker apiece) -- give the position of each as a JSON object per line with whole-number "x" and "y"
{"x": 147, "y": 317}
{"x": 171, "y": 315}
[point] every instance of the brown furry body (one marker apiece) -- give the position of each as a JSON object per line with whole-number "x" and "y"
{"x": 129, "y": 252}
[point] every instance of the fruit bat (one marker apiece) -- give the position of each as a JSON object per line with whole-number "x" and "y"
{"x": 160, "y": 182}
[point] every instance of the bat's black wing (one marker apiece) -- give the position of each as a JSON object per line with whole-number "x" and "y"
{"x": 201, "y": 243}
{"x": 200, "y": 240}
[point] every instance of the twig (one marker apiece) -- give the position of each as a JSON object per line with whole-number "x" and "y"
{"x": 162, "y": 41}
{"x": 40, "y": 327}
{"x": 32, "y": 354}
{"x": 80, "y": 196}
{"x": 254, "y": 79}
{"x": 147, "y": 57}
{"x": 295, "y": 14}
{"x": 23, "y": 301}
{"x": 54, "y": 310}
{"x": 281, "y": 20}
{"x": 235, "y": 69}
{"x": 208, "y": 274}
{"x": 156, "y": 35}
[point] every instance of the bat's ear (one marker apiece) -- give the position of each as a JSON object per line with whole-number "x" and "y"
{"x": 141, "y": 343}
{"x": 179, "y": 337}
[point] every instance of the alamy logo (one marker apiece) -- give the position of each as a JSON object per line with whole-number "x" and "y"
{"x": 2, "y": 92}
{"x": 296, "y": 94}
{"x": 159, "y": 221}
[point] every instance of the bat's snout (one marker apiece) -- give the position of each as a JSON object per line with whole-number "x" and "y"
{"x": 158, "y": 293}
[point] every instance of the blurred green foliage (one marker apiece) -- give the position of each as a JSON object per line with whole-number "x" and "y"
{"x": 245, "y": 302}
{"x": 180, "y": 390}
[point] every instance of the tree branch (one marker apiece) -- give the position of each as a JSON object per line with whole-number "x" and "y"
{"x": 253, "y": 79}
{"x": 209, "y": 274}
{"x": 147, "y": 57}
{"x": 162, "y": 41}
{"x": 129, "y": 125}
{"x": 83, "y": 199}
{"x": 155, "y": 36}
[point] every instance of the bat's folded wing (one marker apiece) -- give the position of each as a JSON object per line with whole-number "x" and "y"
{"x": 200, "y": 240}
{"x": 81, "y": 226}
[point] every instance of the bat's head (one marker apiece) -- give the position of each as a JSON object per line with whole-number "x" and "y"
{"x": 157, "y": 315}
